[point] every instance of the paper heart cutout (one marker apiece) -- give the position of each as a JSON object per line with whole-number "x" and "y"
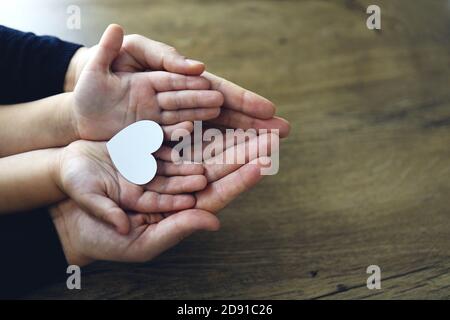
{"x": 131, "y": 151}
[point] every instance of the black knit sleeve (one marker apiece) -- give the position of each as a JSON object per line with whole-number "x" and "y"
{"x": 32, "y": 67}
{"x": 31, "y": 253}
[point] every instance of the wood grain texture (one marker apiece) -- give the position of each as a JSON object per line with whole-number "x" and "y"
{"x": 364, "y": 177}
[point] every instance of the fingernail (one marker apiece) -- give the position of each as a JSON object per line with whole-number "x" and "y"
{"x": 193, "y": 62}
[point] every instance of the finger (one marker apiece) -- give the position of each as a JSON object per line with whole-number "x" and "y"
{"x": 225, "y": 141}
{"x": 186, "y": 99}
{"x": 198, "y": 114}
{"x": 234, "y": 119}
{"x": 212, "y": 141}
{"x": 107, "y": 49}
{"x": 221, "y": 192}
{"x": 176, "y": 227}
{"x": 140, "y": 219}
{"x": 211, "y": 149}
{"x": 234, "y": 157}
{"x": 170, "y": 157}
{"x": 106, "y": 210}
{"x": 179, "y": 129}
{"x": 160, "y": 56}
{"x": 152, "y": 202}
{"x": 165, "y": 81}
{"x": 240, "y": 99}
{"x": 177, "y": 185}
{"x": 168, "y": 169}
{"x": 164, "y": 153}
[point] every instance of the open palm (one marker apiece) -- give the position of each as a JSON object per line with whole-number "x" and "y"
{"x": 88, "y": 176}
{"x": 86, "y": 238}
{"x": 241, "y": 108}
{"x": 106, "y": 101}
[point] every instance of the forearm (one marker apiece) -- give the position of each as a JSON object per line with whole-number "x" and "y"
{"x": 33, "y": 67}
{"x": 40, "y": 124}
{"x": 28, "y": 180}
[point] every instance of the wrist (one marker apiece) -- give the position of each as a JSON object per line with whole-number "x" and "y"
{"x": 54, "y": 169}
{"x": 74, "y": 69}
{"x": 66, "y": 121}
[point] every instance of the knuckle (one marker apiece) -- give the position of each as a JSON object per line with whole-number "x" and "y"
{"x": 177, "y": 100}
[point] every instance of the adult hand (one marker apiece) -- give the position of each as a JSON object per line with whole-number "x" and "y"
{"x": 241, "y": 108}
{"x": 86, "y": 238}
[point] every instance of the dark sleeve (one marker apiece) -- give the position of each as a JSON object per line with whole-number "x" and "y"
{"x": 31, "y": 253}
{"x": 32, "y": 67}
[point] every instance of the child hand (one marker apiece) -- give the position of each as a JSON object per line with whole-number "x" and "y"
{"x": 104, "y": 102}
{"x": 86, "y": 174}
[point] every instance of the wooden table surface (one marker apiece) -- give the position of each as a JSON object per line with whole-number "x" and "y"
{"x": 364, "y": 176}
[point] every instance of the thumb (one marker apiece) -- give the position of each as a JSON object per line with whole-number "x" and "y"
{"x": 107, "y": 211}
{"x": 156, "y": 55}
{"x": 108, "y": 48}
{"x": 175, "y": 228}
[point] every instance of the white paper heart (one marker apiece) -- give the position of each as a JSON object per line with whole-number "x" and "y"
{"x": 131, "y": 151}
